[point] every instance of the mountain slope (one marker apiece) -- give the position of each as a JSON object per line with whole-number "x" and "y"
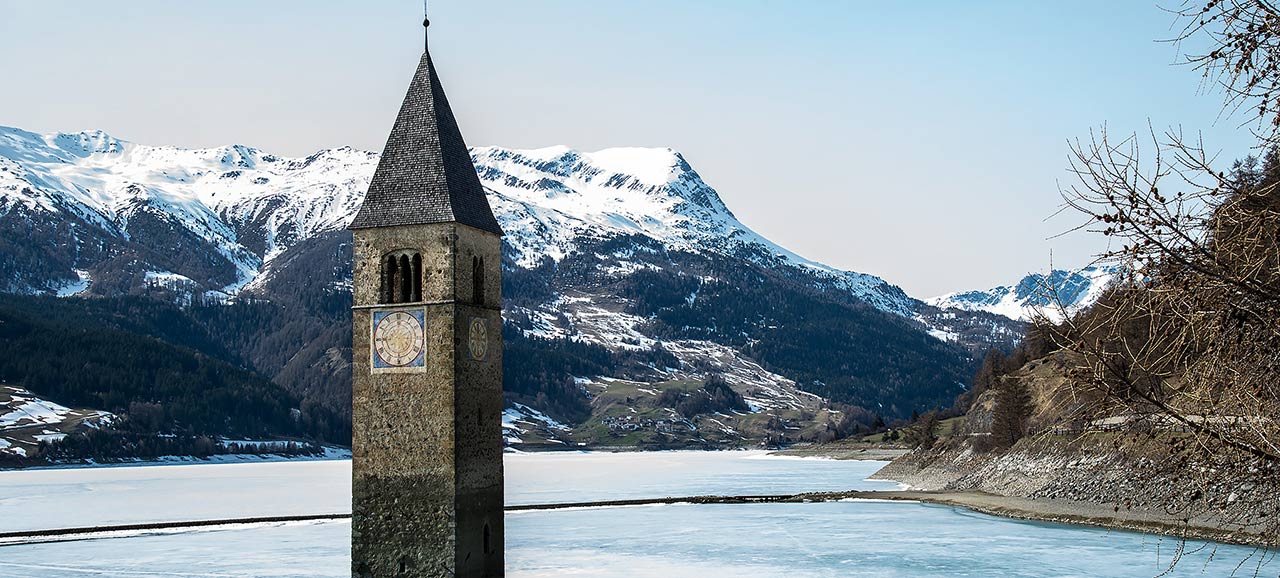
{"x": 129, "y": 355}
{"x": 141, "y": 216}
{"x": 626, "y": 253}
{"x": 555, "y": 200}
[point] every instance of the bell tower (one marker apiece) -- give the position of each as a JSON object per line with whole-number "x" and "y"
{"x": 427, "y": 355}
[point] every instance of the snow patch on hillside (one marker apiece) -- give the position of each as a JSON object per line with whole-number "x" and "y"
{"x": 25, "y": 409}
{"x": 519, "y": 420}
{"x": 73, "y": 288}
{"x": 26, "y": 420}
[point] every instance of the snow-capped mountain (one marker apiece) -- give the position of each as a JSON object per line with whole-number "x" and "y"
{"x": 244, "y": 205}
{"x": 250, "y": 206}
{"x": 622, "y": 264}
{"x": 548, "y": 200}
{"x": 1037, "y": 294}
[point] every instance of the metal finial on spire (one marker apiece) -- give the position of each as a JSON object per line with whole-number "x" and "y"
{"x": 426, "y": 22}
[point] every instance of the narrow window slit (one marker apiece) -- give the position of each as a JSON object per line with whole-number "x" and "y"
{"x": 417, "y": 277}
{"x": 406, "y": 283}
{"x": 477, "y": 280}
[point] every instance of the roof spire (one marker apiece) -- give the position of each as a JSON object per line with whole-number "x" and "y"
{"x": 425, "y": 174}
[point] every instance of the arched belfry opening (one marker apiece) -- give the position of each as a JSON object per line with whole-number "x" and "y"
{"x": 390, "y": 270}
{"x": 401, "y": 277}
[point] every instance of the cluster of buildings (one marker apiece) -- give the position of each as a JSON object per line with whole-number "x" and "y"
{"x": 632, "y": 423}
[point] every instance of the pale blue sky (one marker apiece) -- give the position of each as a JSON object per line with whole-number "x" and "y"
{"x": 923, "y": 142}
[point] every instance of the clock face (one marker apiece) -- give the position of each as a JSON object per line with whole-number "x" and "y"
{"x": 478, "y": 339}
{"x": 398, "y": 339}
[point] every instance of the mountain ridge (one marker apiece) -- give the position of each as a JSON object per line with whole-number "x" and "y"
{"x": 623, "y": 270}
{"x": 206, "y": 188}
{"x": 1047, "y": 295}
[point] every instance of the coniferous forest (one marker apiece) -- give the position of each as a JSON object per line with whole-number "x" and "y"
{"x": 151, "y": 363}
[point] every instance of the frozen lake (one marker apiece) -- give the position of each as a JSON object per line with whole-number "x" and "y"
{"x": 795, "y": 540}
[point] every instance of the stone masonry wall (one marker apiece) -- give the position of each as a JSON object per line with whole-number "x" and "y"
{"x": 403, "y": 483}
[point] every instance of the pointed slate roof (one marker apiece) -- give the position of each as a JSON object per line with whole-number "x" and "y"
{"x": 425, "y": 174}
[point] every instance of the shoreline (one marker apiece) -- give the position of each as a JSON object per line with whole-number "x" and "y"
{"x": 333, "y": 453}
{"x": 1091, "y": 484}
{"x": 1075, "y": 513}
{"x": 843, "y": 450}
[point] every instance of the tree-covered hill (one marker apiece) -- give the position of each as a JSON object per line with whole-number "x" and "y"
{"x": 133, "y": 355}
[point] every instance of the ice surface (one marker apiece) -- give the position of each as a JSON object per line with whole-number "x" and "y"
{"x": 77, "y": 497}
{"x": 542, "y": 478}
{"x": 842, "y": 539}
{"x": 275, "y": 550}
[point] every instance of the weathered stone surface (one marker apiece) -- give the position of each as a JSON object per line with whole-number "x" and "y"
{"x": 427, "y": 442}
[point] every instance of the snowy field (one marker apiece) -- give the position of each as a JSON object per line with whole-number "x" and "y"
{"x": 863, "y": 538}
{"x": 79, "y": 497}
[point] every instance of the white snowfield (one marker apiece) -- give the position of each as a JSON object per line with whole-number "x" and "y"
{"x": 518, "y": 419}
{"x": 73, "y": 288}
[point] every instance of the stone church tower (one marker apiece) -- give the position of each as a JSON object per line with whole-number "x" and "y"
{"x": 427, "y": 355}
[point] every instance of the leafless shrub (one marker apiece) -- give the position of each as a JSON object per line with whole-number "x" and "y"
{"x": 1185, "y": 347}
{"x": 1241, "y": 54}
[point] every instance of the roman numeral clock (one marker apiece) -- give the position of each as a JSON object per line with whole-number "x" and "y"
{"x": 399, "y": 339}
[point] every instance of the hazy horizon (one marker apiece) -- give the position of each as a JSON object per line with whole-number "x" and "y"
{"x": 924, "y": 144}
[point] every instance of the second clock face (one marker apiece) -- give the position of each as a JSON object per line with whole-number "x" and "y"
{"x": 478, "y": 339}
{"x": 398, "y": 339}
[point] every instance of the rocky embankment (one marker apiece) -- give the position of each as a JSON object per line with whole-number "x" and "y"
{"x": 1100, "y": 480}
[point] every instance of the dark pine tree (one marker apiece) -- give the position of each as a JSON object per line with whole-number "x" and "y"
{"x": 1012, "y": 412}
